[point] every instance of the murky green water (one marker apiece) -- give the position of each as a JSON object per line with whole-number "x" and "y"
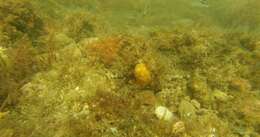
{"x": 129, "y": 68}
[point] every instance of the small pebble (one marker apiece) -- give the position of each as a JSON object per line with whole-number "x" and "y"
{"x": 178, "y": 128}
{"x": 163, "y": 113}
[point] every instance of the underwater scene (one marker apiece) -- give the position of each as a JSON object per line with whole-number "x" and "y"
{"x": 129, "y": 68}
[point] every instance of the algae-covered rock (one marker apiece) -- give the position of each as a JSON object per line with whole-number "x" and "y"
{"x": 88, "y": 89}
{"x": 4, "y": 59}
{"x": 186, "y": 110}
{"x": 3, "y": 114}
{"x": 147, "y": 98}
{"x": 178, "y": 128}
{"x": 240, "y": 84}
{"x": 199, "y": 87}
{"x": 195, "y": 103}
{"x": 7, "y": 132}
{"x": 221, "y": 96}
{"x": 61, "y": 40}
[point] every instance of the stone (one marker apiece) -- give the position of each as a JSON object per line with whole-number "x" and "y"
{"x": 186, "y": 110}
{"x": 147, "y": 98}
{"x": 178, "y": 128}
{"x": 163, "y": 113}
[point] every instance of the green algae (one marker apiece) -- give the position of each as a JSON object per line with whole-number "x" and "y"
{"x": 74, "y": 77}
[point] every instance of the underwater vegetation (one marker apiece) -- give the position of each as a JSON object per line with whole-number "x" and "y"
{"x": 18, "y": 20}
{"x": 80, "y": 25}
{"x": 80, "y": 75}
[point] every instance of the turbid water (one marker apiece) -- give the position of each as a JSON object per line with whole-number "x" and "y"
{"x": 129, "y": 68}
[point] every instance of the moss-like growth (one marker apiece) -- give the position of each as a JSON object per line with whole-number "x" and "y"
{"x": 80, "y": 25}
{"x": 190, "y": 81}
{"x": 19, "y": 19}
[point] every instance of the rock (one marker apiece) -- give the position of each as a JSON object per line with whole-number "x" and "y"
{"x": 178, "y": 128}
{"x": 195, "y": 103}
{"x": 71, "y": 51}
{"x": 163, "y": 113}
{"x": 4, "y": 59}
{"x": 88, "y": 41}
{"x": 62, "y": 40}
{"x": 240, "y": 84}
{"x": 3, "y": 114}
{"x": 186, "y": 110}
{"x": 199, "y": 88}
{"x": 220, "y": 96}
{"x": 147, "y": 98}
{"x": 114, "y": 130}
{"x": 6, "y": 132}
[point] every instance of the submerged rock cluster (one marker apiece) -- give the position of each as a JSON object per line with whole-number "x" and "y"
{"x": 185, "y": 82}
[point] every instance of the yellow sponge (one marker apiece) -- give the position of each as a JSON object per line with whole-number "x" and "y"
{"x": 142, "y": 74}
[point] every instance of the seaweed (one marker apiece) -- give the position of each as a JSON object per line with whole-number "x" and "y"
{"x": 19, "y": 19}
{"x": 80, "y": 25}
{"x": 88, "y": 75}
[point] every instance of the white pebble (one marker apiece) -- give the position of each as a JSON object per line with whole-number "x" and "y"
{"x": 163, "y": 113}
